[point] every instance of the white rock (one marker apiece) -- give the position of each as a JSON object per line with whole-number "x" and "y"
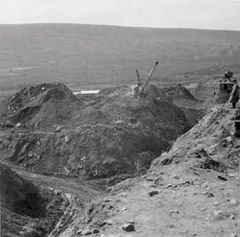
{"x": 233, "y": 202}
{"x": 86, "y": 232}
{"x": 203, "y": 209}
{"x": 218, "y": 214}
{"x": 124, "y": 209}
{"x": 18, "y": 125}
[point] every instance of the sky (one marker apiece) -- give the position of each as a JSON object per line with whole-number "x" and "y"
{"x": 201, "y": 14}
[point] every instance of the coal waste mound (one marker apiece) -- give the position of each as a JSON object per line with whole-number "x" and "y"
{"x": 107, "y": 135}
{"x": 193, "y": 108}
{"x": 39, "y": 106}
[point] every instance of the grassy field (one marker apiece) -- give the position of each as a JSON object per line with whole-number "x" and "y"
{"x": 89, "y": 56}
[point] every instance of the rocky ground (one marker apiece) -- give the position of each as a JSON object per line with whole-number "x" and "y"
{"x": 46, "y": 129}
{"x": 192, "y": 190}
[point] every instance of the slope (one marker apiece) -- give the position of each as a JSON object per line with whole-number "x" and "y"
{"x": 25, "y": 209}
{"x": 192, "y": 190}
{"x": 41, "y": 106}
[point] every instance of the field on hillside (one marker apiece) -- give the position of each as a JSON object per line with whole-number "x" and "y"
{"x": 98, "y": 56}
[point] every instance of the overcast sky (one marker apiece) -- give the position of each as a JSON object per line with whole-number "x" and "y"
{"x": 207, "y": 14}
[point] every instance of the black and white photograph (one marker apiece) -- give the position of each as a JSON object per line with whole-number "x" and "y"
{"x": 119, "y": 118}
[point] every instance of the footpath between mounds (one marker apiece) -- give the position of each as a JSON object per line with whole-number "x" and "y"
{"x": 193, "y": 190}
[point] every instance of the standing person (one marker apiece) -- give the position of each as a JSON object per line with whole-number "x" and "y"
{"x": 234, "y": 96}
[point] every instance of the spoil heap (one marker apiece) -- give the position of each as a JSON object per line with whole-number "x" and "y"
{"x": 40, "y": 106}
{"x": 179, "y": 92}
{"x": 181, "y": 97}
{"x": 110, "y": 135}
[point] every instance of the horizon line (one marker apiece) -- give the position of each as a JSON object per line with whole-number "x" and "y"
{"x": 120, "y": 26}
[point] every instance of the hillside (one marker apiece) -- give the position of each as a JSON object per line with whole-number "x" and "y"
{"x": 99, "y": 56}
{"x": 192, "y": 190}
{"x": 25, "y": 209}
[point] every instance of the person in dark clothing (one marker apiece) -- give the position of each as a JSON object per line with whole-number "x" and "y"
{"x": 234, "y": 96}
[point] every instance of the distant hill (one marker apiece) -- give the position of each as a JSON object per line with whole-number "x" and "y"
{"x": 84, "y": 55}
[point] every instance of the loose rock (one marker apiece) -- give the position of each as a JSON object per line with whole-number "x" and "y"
{"x": 153, "y": 193}
{"x": 96, "y": 231}
{"x": 128, "y": 227}
{"x": 209, "y": 195}
{"x": 86, "y": 232}
{"x": 222, "y": 178}
{"x": 219, "y": 215}
{"x": 233, "y": 202}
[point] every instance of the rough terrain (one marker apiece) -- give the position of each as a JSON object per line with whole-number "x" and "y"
{"x": 46, "y": 129}
{"x": 192, "y": 190}
{"x": 25, "y": 209}
{"x": 63, "y": 158}
{"x": 55, "y": 141}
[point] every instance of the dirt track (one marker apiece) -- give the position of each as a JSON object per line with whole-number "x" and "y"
{"x": 74, "y": 186}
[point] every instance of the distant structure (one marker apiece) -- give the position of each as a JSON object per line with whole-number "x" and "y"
{"x": 225, "y": 86}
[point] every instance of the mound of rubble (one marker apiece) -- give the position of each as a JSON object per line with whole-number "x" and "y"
{"x": 40, "y": 106}
{"x": 25, "y": 210}
{"x": 108, "y": 135}
{"x": 193, "y": 108}
{"x": 178, "y": 92}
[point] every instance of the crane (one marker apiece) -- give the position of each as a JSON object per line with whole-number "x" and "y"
{"x": 139, "y": 90}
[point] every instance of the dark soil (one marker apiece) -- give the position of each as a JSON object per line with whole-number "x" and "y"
{"x": 25, "y": 209}
{"x": 106, "y": 135}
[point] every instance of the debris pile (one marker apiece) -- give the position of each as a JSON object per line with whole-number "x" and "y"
{"x": 40, "y": 106}
{"x": 179, "y": 92}
{"x": 193, "y": 108}
{"x": 115, "y": 134}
